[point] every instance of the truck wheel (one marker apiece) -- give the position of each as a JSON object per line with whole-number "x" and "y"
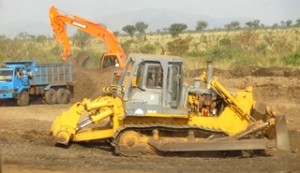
{"x": 50, "y": 96}
{"x": 23, "y": 99}
{"x": 63, "y": 96}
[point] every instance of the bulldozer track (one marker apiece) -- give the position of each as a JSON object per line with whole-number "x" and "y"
{"x": 143, "y": 128}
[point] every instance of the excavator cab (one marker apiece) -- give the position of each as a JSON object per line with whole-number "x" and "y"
{"x": 108, "y": 62}
{"x": 111, "y": 60}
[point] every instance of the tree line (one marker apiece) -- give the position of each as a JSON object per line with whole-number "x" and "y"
{"x": 279, "y": 46}
{"x": 176, "y": 28}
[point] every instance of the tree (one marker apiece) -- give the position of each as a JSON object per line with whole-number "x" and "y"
{"x": 81, "y": 38}
{"x": 141, "y": 27}
{"x": 275, "y": 25}
{"x": 288, "y": 23}
{"x": 201, "y": 25}
{"x": 41, "y": 39}
{"x": 282, "y": 23}
{"x": 262, "y": 25}
{"x": 298, "y": 22}
{"x": 116, "y": 33}
{"x": 176, "y": 28}
{"x": 129, "y": 29}
{"x": 24, "y": 36}
{"x": 232, "y": 25}
{"x": 253, "y": 24}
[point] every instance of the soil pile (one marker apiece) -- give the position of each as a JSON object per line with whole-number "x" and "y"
{"x": 88, "y": 83}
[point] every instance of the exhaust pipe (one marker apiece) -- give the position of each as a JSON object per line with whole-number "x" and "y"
{"x": 209, "y": 71}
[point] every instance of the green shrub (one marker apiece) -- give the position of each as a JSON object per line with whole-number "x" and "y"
{"x": 127, "y": 45}
{"x": 221, "y": 52}
{"x": 179, "y": 46}
{"x": 193, "y": 53}
{"x": 244, "y": 61}
{"x": 148, "y": 48}
{"x": 292, "y": 59}
{"x": 225, "y": 42}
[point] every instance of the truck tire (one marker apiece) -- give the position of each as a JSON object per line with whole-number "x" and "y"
{"x": 63, "y": 96}
{"x": 50, "y": 96}
{"x": 23, "y": 99}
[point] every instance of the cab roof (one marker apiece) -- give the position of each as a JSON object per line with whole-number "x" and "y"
{"x": 150, "y": 57}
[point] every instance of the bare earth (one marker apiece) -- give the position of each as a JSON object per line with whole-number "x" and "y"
{"x": 27, "y": 147}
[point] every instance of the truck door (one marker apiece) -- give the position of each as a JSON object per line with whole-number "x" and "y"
{"x": 21, "y": 79}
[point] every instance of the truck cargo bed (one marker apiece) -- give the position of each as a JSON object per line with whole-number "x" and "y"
{"x": 54, "y": 74}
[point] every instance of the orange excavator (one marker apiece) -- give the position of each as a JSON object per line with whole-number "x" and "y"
{"x": 115, "y": 55}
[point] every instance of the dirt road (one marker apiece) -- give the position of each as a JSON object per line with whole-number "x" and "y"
{"x": 26, "y": 145}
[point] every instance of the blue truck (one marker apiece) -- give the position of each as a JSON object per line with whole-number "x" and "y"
{"x": 24, "y": 80}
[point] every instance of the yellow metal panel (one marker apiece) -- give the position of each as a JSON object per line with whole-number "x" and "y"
{"x": 68, "y": 120}
{"x": 228, "y": 122}
{"x": 95, "y": 105}
{"x": 102, "y": 115}
{"x": 94, "y": 135}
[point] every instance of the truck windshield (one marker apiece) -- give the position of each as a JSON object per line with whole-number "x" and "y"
{"x": 6, "y": 75}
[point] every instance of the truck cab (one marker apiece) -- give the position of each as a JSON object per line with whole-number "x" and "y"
{"x": 15, "y": 81}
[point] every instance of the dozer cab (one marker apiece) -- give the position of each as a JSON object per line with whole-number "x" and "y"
{"x": 152, "y": 110}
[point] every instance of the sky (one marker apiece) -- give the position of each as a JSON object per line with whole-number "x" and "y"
{"x": 32, "y": 15}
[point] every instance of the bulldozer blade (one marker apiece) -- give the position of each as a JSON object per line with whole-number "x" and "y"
{"x": 282, "y": 137}
{"x": 184, "y": 146}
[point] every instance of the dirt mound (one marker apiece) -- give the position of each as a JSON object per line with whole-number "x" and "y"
{"x": 262, "y": 71}
{"x": 249, "y": 71}
{"x": 217, "y": 72}
{"x": 88, "y": 83}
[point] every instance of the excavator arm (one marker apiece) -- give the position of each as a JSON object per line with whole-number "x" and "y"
{"x": 59, "y": 20}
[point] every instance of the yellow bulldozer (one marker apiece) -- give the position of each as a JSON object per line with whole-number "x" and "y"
{"x": 152, "y": 110}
